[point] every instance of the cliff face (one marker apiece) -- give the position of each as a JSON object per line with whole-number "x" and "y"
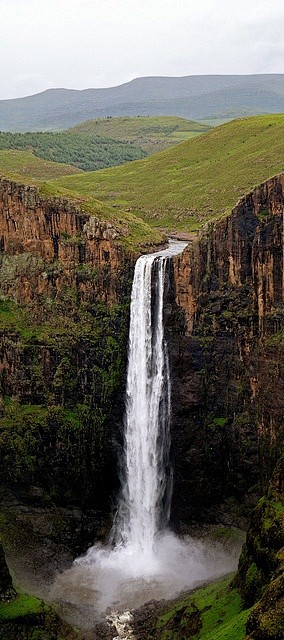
{"x": 65, "y": 286}
{"x": 227, "y": 356}
{"x": 56, "y": 232}
{"x": 63, "y": 338}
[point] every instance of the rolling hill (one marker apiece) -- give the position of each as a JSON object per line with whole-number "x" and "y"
{"x": 24, "y": 166}
{"x": 193, "y": 97}
{"x": 147, "y": 132}
{"x": 176, "y": 190}
{"x": 183, "y": 187}
{"x": 85, "y": 151}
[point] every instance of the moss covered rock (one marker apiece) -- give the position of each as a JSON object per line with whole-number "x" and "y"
{"x": 260, "y": 576}
{"x": 28, "y": 618}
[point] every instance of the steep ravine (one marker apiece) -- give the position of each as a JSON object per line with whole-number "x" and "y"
{"x": 65, "y": 286}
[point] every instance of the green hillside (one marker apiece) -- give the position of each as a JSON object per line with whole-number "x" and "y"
{"x": 85, "y": 150}
{"x": 176, "y": 190}
{"x": 147, "y": 132}
{"x": 23, "y": 165}
{"x": 194, "y": 181}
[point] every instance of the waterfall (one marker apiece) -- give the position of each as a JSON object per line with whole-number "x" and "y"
{"x": 144, "y": 507}
{"x": 144, "y": 559}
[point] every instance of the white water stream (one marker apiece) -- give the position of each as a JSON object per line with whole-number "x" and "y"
{"x": 144, "y": 559}
{"x": 144, "y": 507}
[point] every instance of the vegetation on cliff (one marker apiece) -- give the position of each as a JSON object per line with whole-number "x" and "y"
{"x": 55, "y": 427}
{"x": 29, "y": 618}
{"x": 260, "y": 577}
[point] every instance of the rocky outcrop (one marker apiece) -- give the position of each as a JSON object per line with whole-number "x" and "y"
{"x": 244, "y": 248}
{"x": 7, "y": 591}
{"x": 56, "y": 245}
{"x": 227, "y": 344}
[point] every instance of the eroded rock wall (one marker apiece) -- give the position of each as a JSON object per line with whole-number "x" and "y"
{"x": 63, "y": 353}
{"x": 65, "y": 285}
{"x": 62, "y": 247}
{"x": 227, "y": 352}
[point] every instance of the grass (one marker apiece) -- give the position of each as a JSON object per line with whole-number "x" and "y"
{"x": 148, "y": 132}
{"x": 132, "y": 230}
{"x": 20, "y": 165}
{"x": 176, "y": 190}
{"x": 25, "y": 168}
{"x": 15, "y": 319}
{"x": 21, "y": 606}
{"x": 219, "y": 609}
{"x": 201, "y": 179}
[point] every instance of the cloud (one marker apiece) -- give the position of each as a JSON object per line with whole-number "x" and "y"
{"x": 83, "y": 43}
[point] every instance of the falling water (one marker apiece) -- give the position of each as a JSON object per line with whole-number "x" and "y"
{"x": 144, "y": 559}
{"x": 144, "y": 507}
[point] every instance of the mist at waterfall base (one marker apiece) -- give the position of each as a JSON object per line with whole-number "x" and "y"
{"x": 144, "y": 560}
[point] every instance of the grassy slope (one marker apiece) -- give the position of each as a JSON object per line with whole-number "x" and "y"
{"x": 148, "y": 132}
{"x": 178, "y": 189}
{"x": 190, "y": 183}
{"x": 25, "y": 166}
{"x": 219, "y": 609}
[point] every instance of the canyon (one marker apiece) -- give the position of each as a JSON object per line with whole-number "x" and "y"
{"x": 65, "y": 283}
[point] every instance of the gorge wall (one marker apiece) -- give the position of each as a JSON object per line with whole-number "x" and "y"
{"x": 65, "y": 287}
{"x": 227, "y": 359}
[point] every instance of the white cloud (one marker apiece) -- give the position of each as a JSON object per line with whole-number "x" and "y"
{"x": 83, "y": 43}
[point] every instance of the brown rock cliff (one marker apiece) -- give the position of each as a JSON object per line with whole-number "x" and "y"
{"x": 227, "y": 353}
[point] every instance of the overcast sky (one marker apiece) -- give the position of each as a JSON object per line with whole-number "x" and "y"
{"x": 100, "y": 43}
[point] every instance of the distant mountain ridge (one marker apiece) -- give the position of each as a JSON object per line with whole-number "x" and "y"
{"x": 193, "y": 97}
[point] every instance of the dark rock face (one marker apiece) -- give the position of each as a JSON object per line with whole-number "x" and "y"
{"x": 7, "y": 591}
{"x": 226, "y": 342}
{"x": 64, "y": 287}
